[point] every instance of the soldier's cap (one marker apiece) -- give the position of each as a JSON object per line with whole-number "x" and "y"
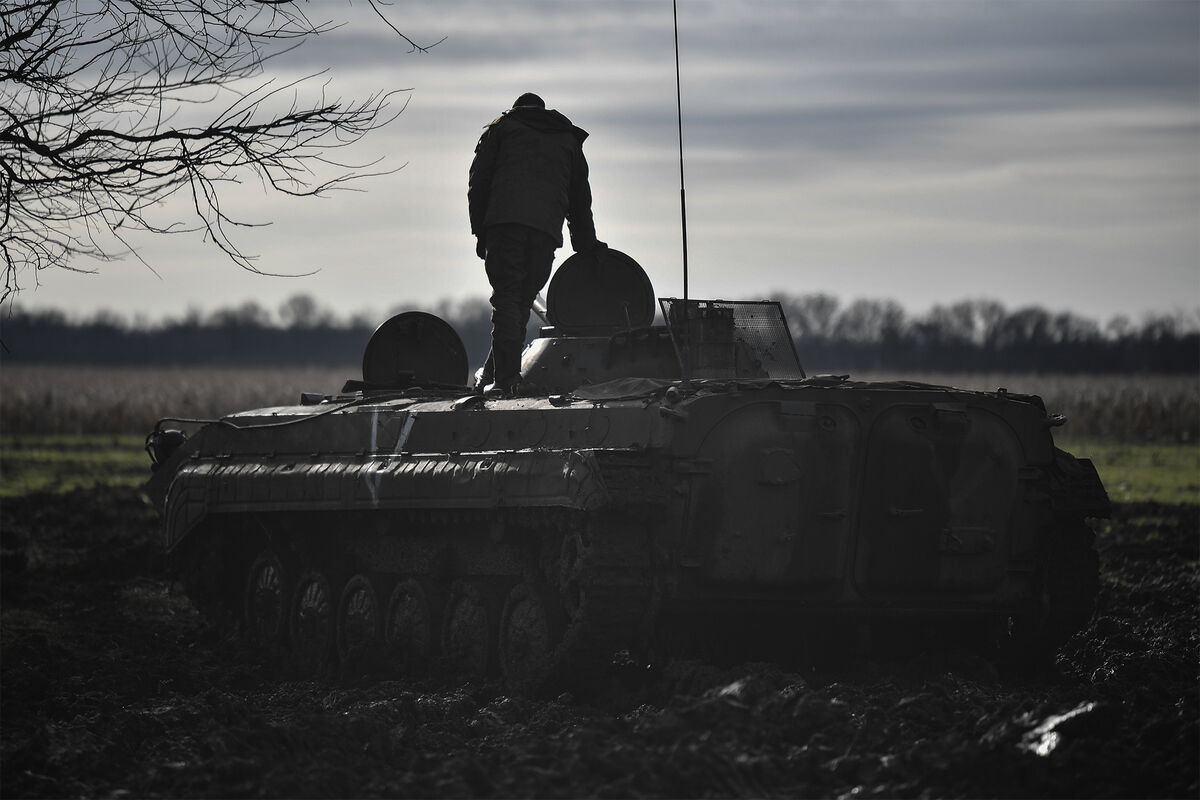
{"x": 529, "y": 100}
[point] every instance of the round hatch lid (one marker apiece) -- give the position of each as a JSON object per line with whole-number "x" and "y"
{"x": 414, "y": 348}
{"x": 599, "y": 292}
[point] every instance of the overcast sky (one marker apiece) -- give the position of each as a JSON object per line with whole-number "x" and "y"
{"x": 1035, "y": 153}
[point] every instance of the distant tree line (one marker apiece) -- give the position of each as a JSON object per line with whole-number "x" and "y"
{"x": 971, "y": 335}
{"x": 984, "y": 336}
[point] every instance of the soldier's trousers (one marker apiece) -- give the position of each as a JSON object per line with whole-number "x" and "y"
{"x": 518, "y": 262}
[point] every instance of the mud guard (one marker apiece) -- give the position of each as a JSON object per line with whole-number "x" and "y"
{"x": 568, "y": 479}
{"x": 1076, "y": 491}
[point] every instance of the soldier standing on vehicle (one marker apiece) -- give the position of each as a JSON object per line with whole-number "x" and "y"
{"x": 528, "y": 175}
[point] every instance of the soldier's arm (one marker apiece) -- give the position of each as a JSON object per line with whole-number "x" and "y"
{"x": 579, "y": 208}
{"x": 479, "y": 184}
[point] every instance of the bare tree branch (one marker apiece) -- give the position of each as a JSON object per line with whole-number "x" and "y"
{"x": 108, "y": 108}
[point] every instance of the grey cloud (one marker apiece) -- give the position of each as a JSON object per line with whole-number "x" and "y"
{"x": 879, "y": 136}
{"x": 849, "y": 77}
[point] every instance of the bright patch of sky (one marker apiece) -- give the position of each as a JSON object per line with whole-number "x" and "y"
{"x": 1034, "y": 153}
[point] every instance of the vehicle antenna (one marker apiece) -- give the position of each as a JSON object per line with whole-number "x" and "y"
{"x": 684, "y": 356}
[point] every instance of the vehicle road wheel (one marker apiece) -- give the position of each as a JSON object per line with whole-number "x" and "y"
{"x": 530, "y": 630}
{"x": 267, "y": 593}
{"x": 408, "y": 627}
{"x": 568, "y": 576}
{"x": 1069, "y": 581}
{"x": 468, "y": 630}
{"x": 311, "y": 624}
{"x": 359, "y": 617}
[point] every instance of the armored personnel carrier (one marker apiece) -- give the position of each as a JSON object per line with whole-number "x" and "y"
{"x": 656, "y": 489}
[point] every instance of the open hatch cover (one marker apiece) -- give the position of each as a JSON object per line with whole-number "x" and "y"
{"x": 598, "y": 293}
{"x": 414, "y": 348}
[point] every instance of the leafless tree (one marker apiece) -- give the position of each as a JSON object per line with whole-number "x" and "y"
{"x": 110, "y": 107}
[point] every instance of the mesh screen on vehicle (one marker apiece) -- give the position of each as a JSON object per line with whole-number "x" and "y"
{"x": 732, "y": 338}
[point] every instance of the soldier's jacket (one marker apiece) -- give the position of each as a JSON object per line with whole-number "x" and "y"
{"x": 529, "y": 169}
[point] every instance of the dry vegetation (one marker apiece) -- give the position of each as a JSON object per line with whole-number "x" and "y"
{"x": 40, "y": 399}
{"x": 1149, "y": 408}
{"x": 85, "y": 399}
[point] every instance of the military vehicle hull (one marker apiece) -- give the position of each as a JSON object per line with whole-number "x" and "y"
{"x": 627, "y": 506}
{"x": 458, "y": 528}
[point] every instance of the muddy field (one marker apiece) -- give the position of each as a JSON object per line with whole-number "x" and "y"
{"x": 113, "y": 687}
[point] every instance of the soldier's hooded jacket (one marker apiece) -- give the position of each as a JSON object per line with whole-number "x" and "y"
{"x": 529, "y": 169}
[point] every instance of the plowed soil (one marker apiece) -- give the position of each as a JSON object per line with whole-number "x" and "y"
{"x": 114, "y": 687}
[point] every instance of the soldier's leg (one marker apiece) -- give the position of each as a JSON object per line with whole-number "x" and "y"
{"x": 539, "y": 257}
{"x": 487, "y": 373}
{"x": 506, "y": 273}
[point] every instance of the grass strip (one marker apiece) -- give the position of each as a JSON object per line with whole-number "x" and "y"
{"x": 1134, "y": 473}
{"x": 1161, "y": 473}
{"x": 65, "y": 462}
